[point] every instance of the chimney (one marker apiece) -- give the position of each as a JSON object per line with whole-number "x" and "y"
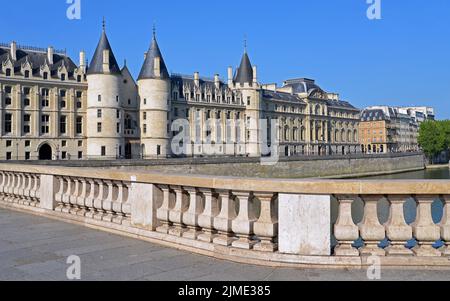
{"x": 83, "y": 60}
{"x": 230, "y": 76}
{"x": 157, "y": 67}
{"x": 197, "y": 78}
{"x": 106, "y": 61}
{"x": 14, "y": 51}
{"x": 50, "y": 52}
{"x": 217, "y": 81}
{"x": 255, "y": 75}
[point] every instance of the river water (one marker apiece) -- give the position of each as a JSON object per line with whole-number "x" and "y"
{"x": 429, "y": 174}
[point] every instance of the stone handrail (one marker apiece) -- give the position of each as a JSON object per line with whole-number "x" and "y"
{"x": 263, "y": 221}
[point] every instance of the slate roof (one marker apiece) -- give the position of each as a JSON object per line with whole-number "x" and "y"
{"x": 147, "y": 70}
{"x": 244, "y": 73}
{"x": 373, "y": 115}
{"x": 37, "y": 59}
{"x": 301, "y": 85}
{"x": 281, "y": 96}
{"x": 96, "y": 66}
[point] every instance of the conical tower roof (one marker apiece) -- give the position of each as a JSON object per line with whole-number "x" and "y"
{"x": 148, "y": 68}
{"x": 245, "y": 72}
{"x": 96, "y": 66}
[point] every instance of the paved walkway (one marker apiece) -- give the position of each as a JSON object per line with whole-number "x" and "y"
{"x": 35, "y": 248}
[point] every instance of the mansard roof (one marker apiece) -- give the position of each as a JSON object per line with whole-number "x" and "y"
{"x": 148, "y": 68}
{"x": 244, "y": 73}
{"x": 205, "y": 84}
{"x": 301, "y": 85}
{"x": 96, "y": 66}
{"x": 276, "y": 95}
{"x": 37, "y": 58}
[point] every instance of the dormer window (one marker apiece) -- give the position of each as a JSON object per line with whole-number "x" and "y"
{"x": 27, "y": 74}
{"x": 45, "y": 75}
{"x": 79, "y": 78}
{"x": 175, "y": 95}
{"x": 8, "y": 72}
{"x": 63, "y": 77}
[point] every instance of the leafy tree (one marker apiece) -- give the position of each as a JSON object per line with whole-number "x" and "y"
{"x": 434, "y": 137}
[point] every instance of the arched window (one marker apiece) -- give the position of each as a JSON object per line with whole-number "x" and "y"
{"x": 343, "y": 136}
{"x": 336, "y": 136}
{"x": 318, "y": 109}
{"x": 349, "y": 136}
{"x": 286, "y": 133}
{"x": 355, "y": 136}
{"x": 295, "y": 134}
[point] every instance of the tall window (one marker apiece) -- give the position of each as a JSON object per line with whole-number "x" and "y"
{"x": 45, "y": 75}
{"x": 8, "y": 72}
{"x": 175, "y": 95}
{"x": 103, "y": 151}
{"x": 118, "y": 127}
{"x": 79, "y": 125}
{"x": 45, "y": 124}
{"x": 62, "y": 124}
{"x": 27, "y": 73}
{"x": 99, "y": 127}
{"x": 99, "y": 98}
{"x": 26, "y": 123}
{"x": 99, "y": 113}
{"x": 145, "y": 129}
{"x": 118, "y": 114}
{"x": 144, "y": 116}
{"x": 8, "y": 123}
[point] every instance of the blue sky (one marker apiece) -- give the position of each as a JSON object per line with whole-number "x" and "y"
{"x": 403, "y": 59}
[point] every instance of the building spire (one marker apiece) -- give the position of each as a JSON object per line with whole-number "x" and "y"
{"x": 245, "y": 43}
{"x": 104, "y": 24}
{"x": 154, "y": 30}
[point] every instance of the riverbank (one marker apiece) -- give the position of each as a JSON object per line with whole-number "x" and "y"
{"x": 438, "y": 166}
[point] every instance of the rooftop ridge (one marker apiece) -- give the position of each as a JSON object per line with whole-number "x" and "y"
{"x": 189, "y": 76}
{"x": 33, "y": 48}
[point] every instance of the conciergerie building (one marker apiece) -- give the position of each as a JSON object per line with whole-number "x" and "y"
{"x": 52, "y": 108}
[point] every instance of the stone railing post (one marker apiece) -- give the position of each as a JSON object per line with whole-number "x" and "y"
{"x": 223, "y": 222}
{"x": 90, "y": 198}
{"x": 162, "y": 213}
{"x": 445, "y": 226}
{"x": 243, "y": 224}
{"x": 206, "y": 218}
{"x": 145, "y": 199}
{"x": 176, "y": 214}
{"x": 397, "y": 230}
{"x": 82, "y": 198}
{"x": 190, "y": 217}
{"x": 304, "y": 224}
{"x": 425, "y": 231}
{"x": 371, "y": 230}
{"x": 107, "y": 204}
{"x": 345, "y": 230}
{"x": 47, "y": 191}
{"x": 266, "y": 227}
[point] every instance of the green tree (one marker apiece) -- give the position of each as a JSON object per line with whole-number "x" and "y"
{"x": 434, "y": 137}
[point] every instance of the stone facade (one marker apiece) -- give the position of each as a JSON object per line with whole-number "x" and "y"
{"x": 390, "y": 129}
{"x": 54, "y": 109}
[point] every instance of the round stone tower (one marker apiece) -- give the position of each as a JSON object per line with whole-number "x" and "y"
{"x": 104, "y": 139}
{"x": 154, "y": 93}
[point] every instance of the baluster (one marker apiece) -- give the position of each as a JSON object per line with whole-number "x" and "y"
{"x": 82, "y": 198}
{"x": 2, "y": 185}
{"x": 98, "y": 202}
{"x": 243, "y": 224}
{"x": 66, "y": 195}
{"x": 425, "y": 230}
{"x": 224, "y": 221}
{"x": 17, "y": 184}
{"x": 117, "y": 204}
{"x": 26, "y": 190}
{"x": 397, "y": 230}
{"x": 190, "y": 217}
{"x": 162, "y": 214}
{"x": 445, "y": 226}
{"x": 372, "y": 232}
{"x": 93, "y": 189}
{"x": 206, "y": 218}
{"x": 126, "y": 204}
{"x": 35, "y": 189}
{"x": 12, "y": 180}
{"x": 345, "y": 230}
{"x": 20, "y": 189}
{"x": 107, "y": 203}
{"x": 60, "y": 194}
{"x": 266, "y": 228}
{"x": 74, "y": 197}
{"x": 176, "y": 214}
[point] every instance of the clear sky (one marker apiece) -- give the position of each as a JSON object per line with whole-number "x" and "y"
{"x": 402, "y": 59}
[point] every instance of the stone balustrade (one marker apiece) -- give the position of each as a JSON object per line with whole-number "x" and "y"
{"x": 266, "y": 221}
